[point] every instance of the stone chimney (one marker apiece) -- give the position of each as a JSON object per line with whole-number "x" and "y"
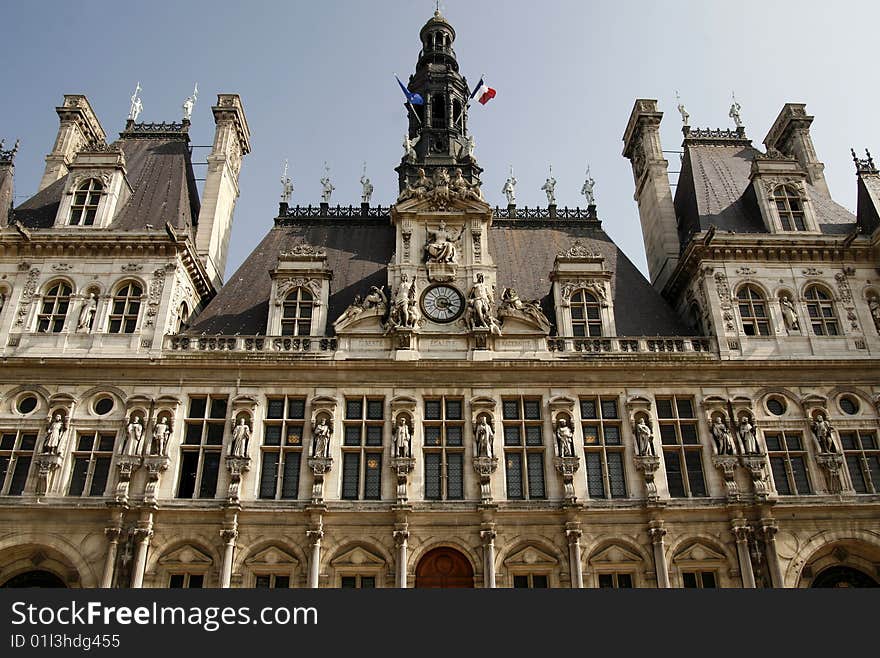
{"x": 231, "y": 143}
{"x": 79, "y": 127}
{"x": 868, "y": 193}
{"x": 7, "y": 169}
{"x": 790, "y": 135}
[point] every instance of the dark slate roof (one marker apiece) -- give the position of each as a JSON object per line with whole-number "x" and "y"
{"x": 358, "y": 252}
{"x": 714, "y": 189}
{"x": 163, "y": 189}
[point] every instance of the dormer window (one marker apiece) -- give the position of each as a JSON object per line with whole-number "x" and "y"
{"x": 296, "y": 315}
{"x": 790, "y": 208}
{"x": 586, "y": 319}
{"x": 53, "y": 310}
{"x": 85, "y": 203}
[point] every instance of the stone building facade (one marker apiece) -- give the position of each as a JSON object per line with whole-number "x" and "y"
{"x": 438, "y": 393}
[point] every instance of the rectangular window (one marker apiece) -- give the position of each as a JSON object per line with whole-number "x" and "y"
{"x": 443, "y": 429}
{"x": 523, "y": 445}
{"x": 531, "y": 581}
{"x": 603, "y": 447}
{"x": 788, "y": 462}
{"x": 283, "y": 431}
{"x": 16, "y": 455}
{"x": 862, "y": 453}
{"x": 358, "y": 582}
{"x": 91, "y": 463}
{"x": 615, "y": 580}
{"x": 186, "y": 581}
{"x": 698, "y": 579}
{"x": 202, "y": 447}
{"x": 272, "y": 581}
{"x": 682, "y": 451}
{"x": 364, "y": 428}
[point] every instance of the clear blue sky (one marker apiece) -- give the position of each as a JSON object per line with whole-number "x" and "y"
{"x": 317, "y": 83}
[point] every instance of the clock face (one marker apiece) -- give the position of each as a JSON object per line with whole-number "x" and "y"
{"x": 442, "y": 303}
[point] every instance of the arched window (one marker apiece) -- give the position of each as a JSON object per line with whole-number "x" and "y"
{"x": 753, "y": 311}
{"x": 54, "y": 309}
{"x": 125, "y": 308}
{"x": 182, "y": 317}
{"x": 585, "y": 317}
{"x": 820, "y": 307}
{"x": 438, "y": 111}
{"x": 85, "y": 203}
{"x": 790, "y": 208}
{"x": 296, "y": 316}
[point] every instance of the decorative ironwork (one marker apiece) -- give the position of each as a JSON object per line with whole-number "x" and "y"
{"x": 153, "y": 130}
{"x": 511, "y": 212}
{"x": 736, "y": 135}
{"x": 321, "y": 211}
{"x": 101, "y": 147}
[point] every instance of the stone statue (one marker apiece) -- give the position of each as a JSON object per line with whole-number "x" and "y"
{"x": 549, "y": 187}
{"x": 322, "y": 433}
{"x": 402, "y": 438}
{"x": 241, "y": 436}
{"x": 789, "y": 314}
{"x": 461, "y": 188}
{"x": 874, "y": 306}
{"x": 133, "y": 434}
{"x": 367, "y": 191}
{"x": 748, "y": 440}
{"x": 161, "y": 432}
{"x": 734, "y": 113}
{"x": 326, "y": 185}
{"x": 564, "y": 438}
{"x": 409, "y": 147}
{"x": 723, "y": 440}
{"x": 87, "y": 313}
{"x": 55, "y": 435}
{"x": 824, "y": 434}
{"x": 286, "y": 185}
{"x": 509, "y": 189}
{"x": 401, "y": 309}
{"x": 484, "y": 437}
{"x": 419, "y": 189}
{"x": 685, "y": 117}
{"x": 376, "y": 299}
{"x": 480, "y": 303}
{"x": 644, "y": 438}
{"x": 190, "y": 103}
{"x": 440, "y": 246}
{"x": 510, "y": 301}
{"x": 471, "y": 145}
{"x": 355, "y": 309}
{"x": 137, "y": 105}
{"x": 587, "y": 189}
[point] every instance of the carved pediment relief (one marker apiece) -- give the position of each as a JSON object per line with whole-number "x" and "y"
{"x": 530, "y": 556}
{"x": 272, "y": 556}
{"x": 358, "y": 557}
{"x": 187, "y": 554}
{"x": 437, "y": 203}
{"x": 698, "y": 552}
{"x": 614, "y": 555}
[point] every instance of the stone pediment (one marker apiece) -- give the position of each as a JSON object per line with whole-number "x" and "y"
{"x": 614, "y": 554}
{"x": 699, "y": 552}
{"x": 187, "y": 554}
{"x": 272, "y": 556}
{"x": 530, "y": 556}
{"x": 357, "y": 318}
{"x": 358, "y": 557}
{"x": 434, "y": 202}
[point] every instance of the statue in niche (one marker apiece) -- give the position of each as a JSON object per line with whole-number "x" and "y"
{"x": 133, "y": 434}
{"x": 564, "y": 438}
{"x": 644, "y": 438}
{"x": 723, "y": 440}
{"x": 484, "y": 437}
{"x": 549, "y": 187}
{"x": 748, "y": 439}
{"x": 509, "y": 189}
{"x": 322, "y": 433}
{"x": 55, "y": 435}
{"x": 241, "y": 436}
{"x": 440, "y": 246}
{"x": 874, "y": 306}
{"x": 402, "y": 437}
{"x": 789, "y": 314}
{"x": 403, "y": 307}
{"x": 87, "y": 313}
{"x": 479, "y": 307}
{"x": 824, "y": 433}
{"x": 161, "y": 432}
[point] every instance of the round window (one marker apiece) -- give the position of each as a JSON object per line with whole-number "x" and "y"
{"x": 849, "y": 405}
{"x": 776, "y": 406}
{"x": 26, "y": 404}
{"x": 103, "y": 406}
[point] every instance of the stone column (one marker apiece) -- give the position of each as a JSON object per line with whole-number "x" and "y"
{"x": 741, "y": 532}
{"x": 769, "y": 527}
{"x": 574, "y": 533}
{"x": 229, "y": 535}
{"x": 142, "y": 535}
{"x": 401, "y": 535}
{"x": 657, "y": 533}
{"x": 487, "y": 535}
{"x": 315, "y": 537}
{"x": 112, "y": 533}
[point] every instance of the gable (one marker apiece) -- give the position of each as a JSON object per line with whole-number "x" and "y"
{"x": 187, "y": 554}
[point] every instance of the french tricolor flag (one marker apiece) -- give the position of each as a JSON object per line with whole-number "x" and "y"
{"x": 483, "y": 92}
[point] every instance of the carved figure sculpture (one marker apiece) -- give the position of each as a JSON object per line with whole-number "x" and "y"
{"x": 54, "y": 435}
{"x": 789, "y": 314}
{"x": 161, "y": 432}
{"x": 137, "y": 105}
{"x": 367, "y": 189}
{"x": 461, "y": 188}
{"x": 419, "y": 189}
{"x": 587, "y": 189}
{"x": 549, "y": 187}
{"x": 326, "y": 187}
{"x": 241, "y": 436}
{"x": 734, "y": 113}
{"x": 87, "y": 313}
{"x": 402, "y": 314}
{"x": 133, "y": 434}
{"x": 644, "y": 438}
{"x": 402, "y": 438}
{"x": 471, "y": 145}
{"x": 190, "y": 103}
{"x": 723, "y": 440}
{"x": 480, "y": 302}
{"x": 510, "y": 301}
{"x": 357, "y": 307}
{"x": 484, "y": 437}
{"x": 376, "y": 299}
{"x": 509, "y": 190}
{"x": 564, "y": 438}
{"x": 874, "y": 306}
{"x": 824, "y": 434}
{"x": 322, "y": 433}
{"x": 440, "y": 246}
{"x": 286, "y": 185}
{"x": 409, "y": 147}
{"x": 747, "y": 437}
{"x": 685, "y": 117}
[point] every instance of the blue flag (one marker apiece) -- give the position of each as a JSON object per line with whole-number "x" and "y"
{"x": 415, "y": 99}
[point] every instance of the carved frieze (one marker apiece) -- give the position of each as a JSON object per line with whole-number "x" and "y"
{"x": 27, "y": 295}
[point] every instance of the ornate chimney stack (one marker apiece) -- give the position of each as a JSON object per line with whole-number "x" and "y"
{"x": 653, "y": 193}
{"x": 790, "y": 135}
{"x": 79, "y": 128}
{"x": 231, "y": 144}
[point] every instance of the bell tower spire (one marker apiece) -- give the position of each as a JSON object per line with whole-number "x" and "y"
{"x": 437, "y": 132}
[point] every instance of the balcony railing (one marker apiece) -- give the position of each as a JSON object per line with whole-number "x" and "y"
{"x": 313, "y": 345}
{"x": 602, "y": 346}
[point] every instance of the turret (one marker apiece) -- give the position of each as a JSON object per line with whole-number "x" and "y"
{"x": 790, "y": 135}
{"x": 79, "y": 128}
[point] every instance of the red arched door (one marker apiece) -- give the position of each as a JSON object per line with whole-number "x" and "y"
{"x": 444, "y": 567}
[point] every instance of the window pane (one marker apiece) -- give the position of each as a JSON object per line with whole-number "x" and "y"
{"x": 612, "y": 435}
{"x": 290, "y": 483}
{"x": 510, "y": 409}
{"x": 352, "y": 435}
{"x": 685, "y": 408}
{"x": 536, "y": 474}
{"x": 374, "y": 435}
{"x": 540, "y": 582}
{"x": 773, "y": 441}
{"x": 455, "y": 476}
{"x": 432, "y": 435}
{"x": 673, "y": 473}
{"x": 532, "y": 409}
{"x": 708, "y": 579}
{"x": 453, "y": 435}
{"x": 432, "y": 410}
{"x": 591, "y": 435}
{"x": 218, "y": 408}
{"x": 594, "y": 475}
{"x": 176, "y": 581}
{"x": 354, "y": 409}
{"x": 348, "y": 582}
{"x": 513, "y": 463}
{"x": 533, "y": 435}
{"x": 189, "y": 464}
{"x": 689, "y": 579}
{"x": 106, "y": 442}
{"x": 197, "y": 407}
{"x": 588, "y": 409}
{"x": 296, "y": 408}
{"x": 453, "y": 410}
{"x": 351, "y": 465}
{"x": 512, "y": 435}
{"x": 664, "y": 409}
{"x": 375, "y": 409}
{"x": 373, "y": 476}
{"x": 210, "y": 470}
{"x": 799, "y": 470}
{"x": 432, "y": 475}
{"x": 215, "y": 434}
{"x": 99, "y": 476}
{"x": 615, "y": 474}
{"x": 853, "y": 463}
{"x": 268, "y": 475}
{"x": 196, "y": 581}
{"x": 275, "y": 408}
{"x": 19, "y": 476}
{"x": 368, "y": 582}
{"x": 606, "y": 580}
{"x": 609, "y": 409}
{"x": 694, "y": 463}
{"x": 272, "y": 435}
{"x": 78, "y": 478}
{"x": 282, "y": 582}
{"x": 780, "y": 477}
{"x": 28, "y": 441}
{"x": 521, "y": 582}
{"x": 624, "y": 581}
{"x": 667, "y": 434}
{"x": 689, "y": 433}
{"x": 262, "y": 582}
